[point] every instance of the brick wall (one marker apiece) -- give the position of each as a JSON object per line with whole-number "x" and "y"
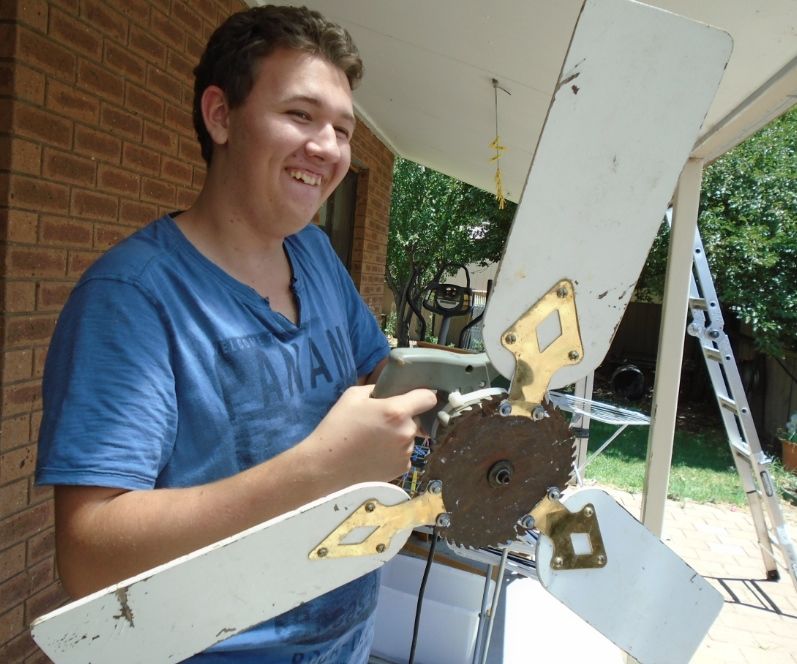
{"x": 372, "y": 215}
{"x": 95, "y": 141}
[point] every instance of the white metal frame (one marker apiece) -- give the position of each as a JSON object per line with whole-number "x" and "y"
{"x": 671, "y": 345}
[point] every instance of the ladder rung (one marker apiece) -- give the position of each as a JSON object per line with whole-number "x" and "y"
{"x": 728, "y": 404}
{"x": 712, "y": 354}
{"x": 698, "y": 303}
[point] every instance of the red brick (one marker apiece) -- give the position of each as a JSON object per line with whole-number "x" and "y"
{"x": 25, "y": 83}
{"x": 35, "y": 262}
{"x": 77, "y": 34}
{"x": 99, "y": 15}
{"x": 8, "y": 40}
{"x": 207, "y": 9}
{"x": 17, "y": 365}
{"x": 13, "y": 498}
{"x": 112, "y": 179}
{"x": 100, "y": 81}
{"x": 39, "y": 195}
{"x": 165, "y": 29}
{"x": 199, "y": 177}
{"x": 179, "y": 119}
{"x": 121, "y": 60}
{"x": 19, "y": 296}
{"x": 107, "y": 236}
{"x": 189, "y": 149}
{"x": 35, "y": 423}
{"x": 65, "y": 231}
{"x": 66, "y": 167}
{"x": 40, "y": 546}
{"x": 20, "y": 155}
{"x": 156, "y": 191}
{"x": 133, "y": 213}
{"x": 165, "y": 140}
{"x": 194, "y": 49}
{"x": 38, "y": 494}
{"x": 21, "y": 398}
{"x": 93, "y": 205}
{"x": 181, "y": 67}
{"x": 6, "y": 74}
{"x": 33, "y": 13}
{"x": 18, "y": 648}
{"x": 169, "y": 86}
{"x": 176, "y": 171}
{"x": 27, "y": 330}
{"x": 44, "y": 601}
{"x": 143, "y": 44}
{"x": 80, "y": 261}
{"x": 42, "y": 125}
{"x": 98, "y": 144}
{"x": 140, "y": 158}
{"x": 12, "y": 622}
{"x": 25, "y": 584}
{"x": 187, "y": 17}
{"x": 136, "y": 10}
{"x": 45, "y": 54}
{"x": 12, "y": 561}
{"x": 39, "y": 358}
{"x": 185, "y": 198}
{"x": 71, "y": 103}
{"x": 17, "y": 464}
{"x": 15, "y": 432}
{"x": 144, "y": 102}
{"x": 19, "y": 527}
{"x": 121, "y": 122}
{"x": 52, "y": 295}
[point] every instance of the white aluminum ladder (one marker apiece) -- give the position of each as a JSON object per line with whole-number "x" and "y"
{"x": 752, "y": 464}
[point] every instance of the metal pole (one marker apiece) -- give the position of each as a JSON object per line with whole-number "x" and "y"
{"x": 499, "y": 581}
{"x": 671, "y": 345}
{"x": 482, "y": 615}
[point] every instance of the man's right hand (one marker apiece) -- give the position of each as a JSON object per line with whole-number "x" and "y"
{"x": 371, "y": 439}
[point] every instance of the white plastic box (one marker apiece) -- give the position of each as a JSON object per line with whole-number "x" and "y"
{"x": 449, "y": 616}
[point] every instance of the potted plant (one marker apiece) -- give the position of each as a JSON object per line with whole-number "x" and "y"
{"x": 788, "y": 442}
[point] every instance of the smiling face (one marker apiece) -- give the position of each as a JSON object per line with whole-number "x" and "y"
{"x": 284, "y": 150}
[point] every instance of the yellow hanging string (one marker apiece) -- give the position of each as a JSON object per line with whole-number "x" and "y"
{"x": 496, "y": 145}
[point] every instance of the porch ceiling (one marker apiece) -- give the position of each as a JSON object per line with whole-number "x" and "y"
{"x": 428, "y": 94}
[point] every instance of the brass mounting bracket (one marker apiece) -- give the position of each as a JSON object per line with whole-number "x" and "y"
{"x": 384, "y": 521}
{"x": 535, "y": 364}
{"x": 558, "y": 523}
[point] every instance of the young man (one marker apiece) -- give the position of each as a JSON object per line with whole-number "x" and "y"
{"x": 210, "y": 372}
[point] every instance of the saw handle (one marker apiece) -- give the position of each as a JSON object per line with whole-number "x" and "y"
{"x": 436, "y": 369}
{"x": 442, "y": 370}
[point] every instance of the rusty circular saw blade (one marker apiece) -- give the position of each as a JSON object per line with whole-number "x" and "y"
{"x": 495, "y": 469}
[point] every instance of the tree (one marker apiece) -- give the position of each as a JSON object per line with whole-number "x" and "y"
{"x": 748, "y": 221}
{"x": 437, "y": 221}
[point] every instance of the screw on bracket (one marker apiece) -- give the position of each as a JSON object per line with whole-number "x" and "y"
{"x": 574, "y": 355}
{"x": 322, "y": 552}
{"x": 510, "y": 338}
{"x": 435, "y": 486}
{"x": 443, "y": 520}
{"x": 370, "y": 507}
{"x": 380, "y": 548}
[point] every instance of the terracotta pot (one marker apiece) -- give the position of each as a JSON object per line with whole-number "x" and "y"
{"x": 789, "y": 450}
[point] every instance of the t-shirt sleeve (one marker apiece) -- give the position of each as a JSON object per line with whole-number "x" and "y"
{"x": 110, "y": 413}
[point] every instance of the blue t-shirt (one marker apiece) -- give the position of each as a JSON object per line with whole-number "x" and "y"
{"x": 164, "y": 371}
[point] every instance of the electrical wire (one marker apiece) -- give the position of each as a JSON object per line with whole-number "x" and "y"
{"x": 421, "y": 591}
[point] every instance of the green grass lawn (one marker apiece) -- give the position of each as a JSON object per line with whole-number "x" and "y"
{"x": 702, "y": 467}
